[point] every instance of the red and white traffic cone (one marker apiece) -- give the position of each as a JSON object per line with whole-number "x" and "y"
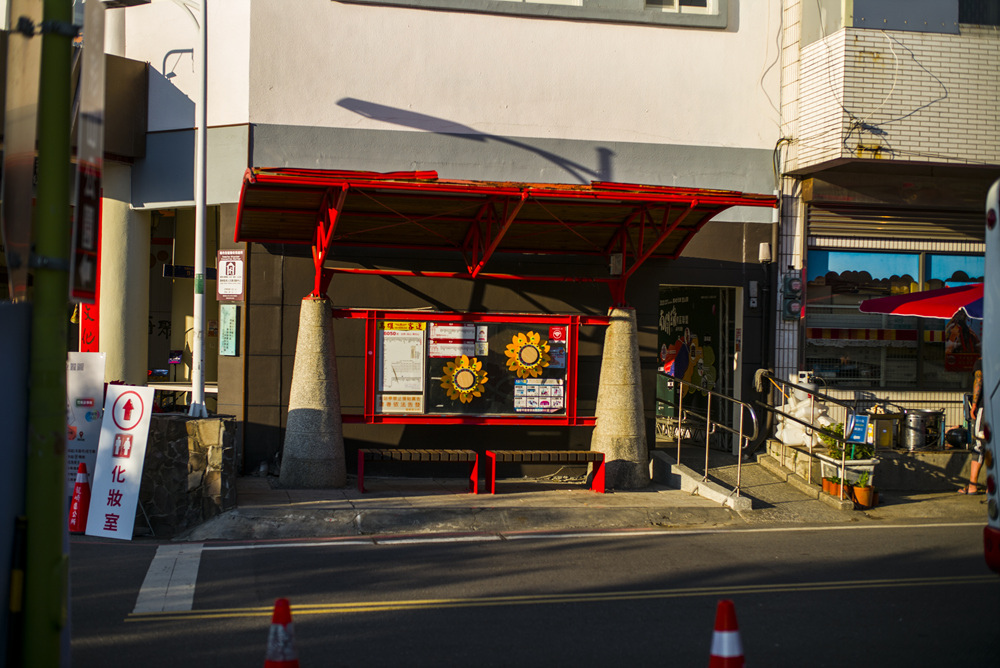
{"x": 281, "y": 638}
{"x": 727, "y": 650}
{"x": 80, "y": 505}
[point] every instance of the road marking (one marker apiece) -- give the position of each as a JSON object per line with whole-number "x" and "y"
{"x": 557, "y": 535}
{"x": 409, "y": 540}
{"x": 170, "y": 580}
{"x": 288, "y": 544}
{"x": 586, "y": 597}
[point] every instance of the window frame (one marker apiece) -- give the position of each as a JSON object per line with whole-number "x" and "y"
{"x": 923, "y": 375}
{"x": 715, "y": 16}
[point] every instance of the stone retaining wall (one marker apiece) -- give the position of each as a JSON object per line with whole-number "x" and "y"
{"x": 189, "y": 474}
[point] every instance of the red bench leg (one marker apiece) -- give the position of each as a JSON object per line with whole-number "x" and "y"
{"x": 598, "y": 483}
{"x": 361, "y": 471}
{"x": 491, "y": 472}
{"x": 474, "y": 476}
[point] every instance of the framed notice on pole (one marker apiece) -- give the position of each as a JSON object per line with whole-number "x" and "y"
{"x": 120, "y": 456}
{"x": 229, "y": 281}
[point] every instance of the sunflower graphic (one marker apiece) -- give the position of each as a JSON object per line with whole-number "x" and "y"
{"x": 527, "y": 354}
{"x": 464, "y": 378}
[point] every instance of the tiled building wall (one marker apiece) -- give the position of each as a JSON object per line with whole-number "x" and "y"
{"x": 922, "y": 97}
{"x": 788, "y": 254}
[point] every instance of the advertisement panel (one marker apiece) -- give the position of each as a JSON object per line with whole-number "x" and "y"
{"x": 84, "y": 412}
{"x": 689, "y": 327}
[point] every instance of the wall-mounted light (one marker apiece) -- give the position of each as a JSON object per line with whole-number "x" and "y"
{"x": 764, "y": 253}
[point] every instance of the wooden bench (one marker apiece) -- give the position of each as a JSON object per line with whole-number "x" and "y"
{"x": 545, "y": 457}
{"x": 423, "y": 455}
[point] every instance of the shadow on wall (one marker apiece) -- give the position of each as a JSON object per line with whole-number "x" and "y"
{"x": 441, "y": 126}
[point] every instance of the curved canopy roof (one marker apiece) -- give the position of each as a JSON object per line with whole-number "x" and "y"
{"x": 475, "y": 219}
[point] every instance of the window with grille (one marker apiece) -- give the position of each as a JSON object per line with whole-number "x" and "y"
{"x": 684, "y": 13}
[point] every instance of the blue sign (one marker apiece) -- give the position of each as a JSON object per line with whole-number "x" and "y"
{"x": 857, "y": 431}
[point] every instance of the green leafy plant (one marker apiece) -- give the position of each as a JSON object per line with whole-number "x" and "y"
{"x": 863, "y": 479}
{"x": 829, "y": 441}
{"x": 854, "y": 450}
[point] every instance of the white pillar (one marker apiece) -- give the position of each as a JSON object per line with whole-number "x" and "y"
{"x": 124, "y": 308}
{"x": 620, "y": 432}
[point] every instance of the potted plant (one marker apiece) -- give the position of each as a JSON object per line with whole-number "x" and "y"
{"x": 831, "y": 485}
{"x": 862, "y": 493}
{"x": 858, "y": 458}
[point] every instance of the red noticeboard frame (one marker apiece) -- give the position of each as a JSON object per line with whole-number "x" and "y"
{"x": 372, "y": 317}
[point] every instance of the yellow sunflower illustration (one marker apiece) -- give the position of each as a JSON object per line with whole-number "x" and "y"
{"x": 464, "y": 378}
{"x": 527, "y": 354}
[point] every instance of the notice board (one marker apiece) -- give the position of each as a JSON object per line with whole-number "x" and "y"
{"x": 425, "y": 367}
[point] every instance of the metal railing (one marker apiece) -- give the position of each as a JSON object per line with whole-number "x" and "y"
{"x": 787, "y": 389}
{"x": 684, "y": 418}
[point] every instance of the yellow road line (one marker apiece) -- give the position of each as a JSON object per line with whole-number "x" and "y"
{"x": 358, "y": 607}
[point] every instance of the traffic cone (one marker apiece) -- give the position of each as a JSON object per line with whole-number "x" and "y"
{"x": 80, "y": 504}
{"x": 281, "y": 638}
{"x": 727, "y": 650}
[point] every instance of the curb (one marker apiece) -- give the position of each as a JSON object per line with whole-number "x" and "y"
{"x": 262, "y": 524}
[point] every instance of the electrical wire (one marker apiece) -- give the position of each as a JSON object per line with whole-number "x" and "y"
{"x": 777, "y": 56}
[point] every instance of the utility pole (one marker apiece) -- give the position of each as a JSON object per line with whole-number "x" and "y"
{"x": 46, "y": 574}
{"x": 197, "y": 408}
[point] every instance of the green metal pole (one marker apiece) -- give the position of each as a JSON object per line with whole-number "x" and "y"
{"x": 46, "y": 572}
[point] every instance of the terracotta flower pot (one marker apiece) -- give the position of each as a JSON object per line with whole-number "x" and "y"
{"x": 863, "y": 496}
{"x": 827, "y": 485}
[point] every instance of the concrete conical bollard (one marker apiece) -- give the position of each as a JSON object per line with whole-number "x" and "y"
{"x": 313, "y": 455}
{"x": 620, "y": 432}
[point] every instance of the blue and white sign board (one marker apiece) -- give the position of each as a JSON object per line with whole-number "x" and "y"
{"x": 84, "y": 403}
{"x": 857, "y": 431}
{"x": 120, "y": 455}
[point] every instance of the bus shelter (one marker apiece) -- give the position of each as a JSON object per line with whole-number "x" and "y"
{"x": 447, "y": 360}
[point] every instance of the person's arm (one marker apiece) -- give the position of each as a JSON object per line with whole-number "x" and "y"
{"x": 977, "y": 393}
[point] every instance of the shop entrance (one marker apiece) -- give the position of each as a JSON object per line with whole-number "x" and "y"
{"x": 699, "y": 342}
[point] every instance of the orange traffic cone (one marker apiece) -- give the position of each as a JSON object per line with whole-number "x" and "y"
{"x": 281, "y": 638}
{"x": 80, "y": 504}
{"x": 727, "y": 650}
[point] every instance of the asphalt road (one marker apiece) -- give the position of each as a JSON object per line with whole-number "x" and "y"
{"x": 882, "y": 595}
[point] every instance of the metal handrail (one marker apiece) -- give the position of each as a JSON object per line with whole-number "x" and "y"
{"x": 810, "y": 426}
{"x": 711, "y": 425}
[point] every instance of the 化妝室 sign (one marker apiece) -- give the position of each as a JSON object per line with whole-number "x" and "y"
{"x": 120, "y": 455}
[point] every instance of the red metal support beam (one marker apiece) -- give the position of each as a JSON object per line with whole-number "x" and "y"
{"x": 498, "y": 237}
{"x": 664, "y": 233}
{"x": 469, "y": 276}
{"x": 325, "y": 226}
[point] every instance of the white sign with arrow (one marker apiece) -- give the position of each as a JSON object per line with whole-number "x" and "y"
{"x": 120, "y": 457}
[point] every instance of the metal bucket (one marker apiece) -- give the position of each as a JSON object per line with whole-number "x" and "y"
{"x": 922, "y": 429}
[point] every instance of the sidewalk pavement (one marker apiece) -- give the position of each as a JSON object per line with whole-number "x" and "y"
{"x": 395, "y": 505}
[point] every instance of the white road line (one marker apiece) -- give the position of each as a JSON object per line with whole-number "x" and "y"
{"x": 170, "y": 580}
{"x": 293, "y": 542}
{"x": 555, "y": 535}
{"x": 731, "y": 531}
{"x": 480, "y": 538}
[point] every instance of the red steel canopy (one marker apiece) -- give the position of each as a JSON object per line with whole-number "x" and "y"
{"x": 475, "y": 219}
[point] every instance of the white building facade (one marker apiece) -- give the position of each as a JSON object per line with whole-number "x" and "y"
{"x": 677, "y": 93}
